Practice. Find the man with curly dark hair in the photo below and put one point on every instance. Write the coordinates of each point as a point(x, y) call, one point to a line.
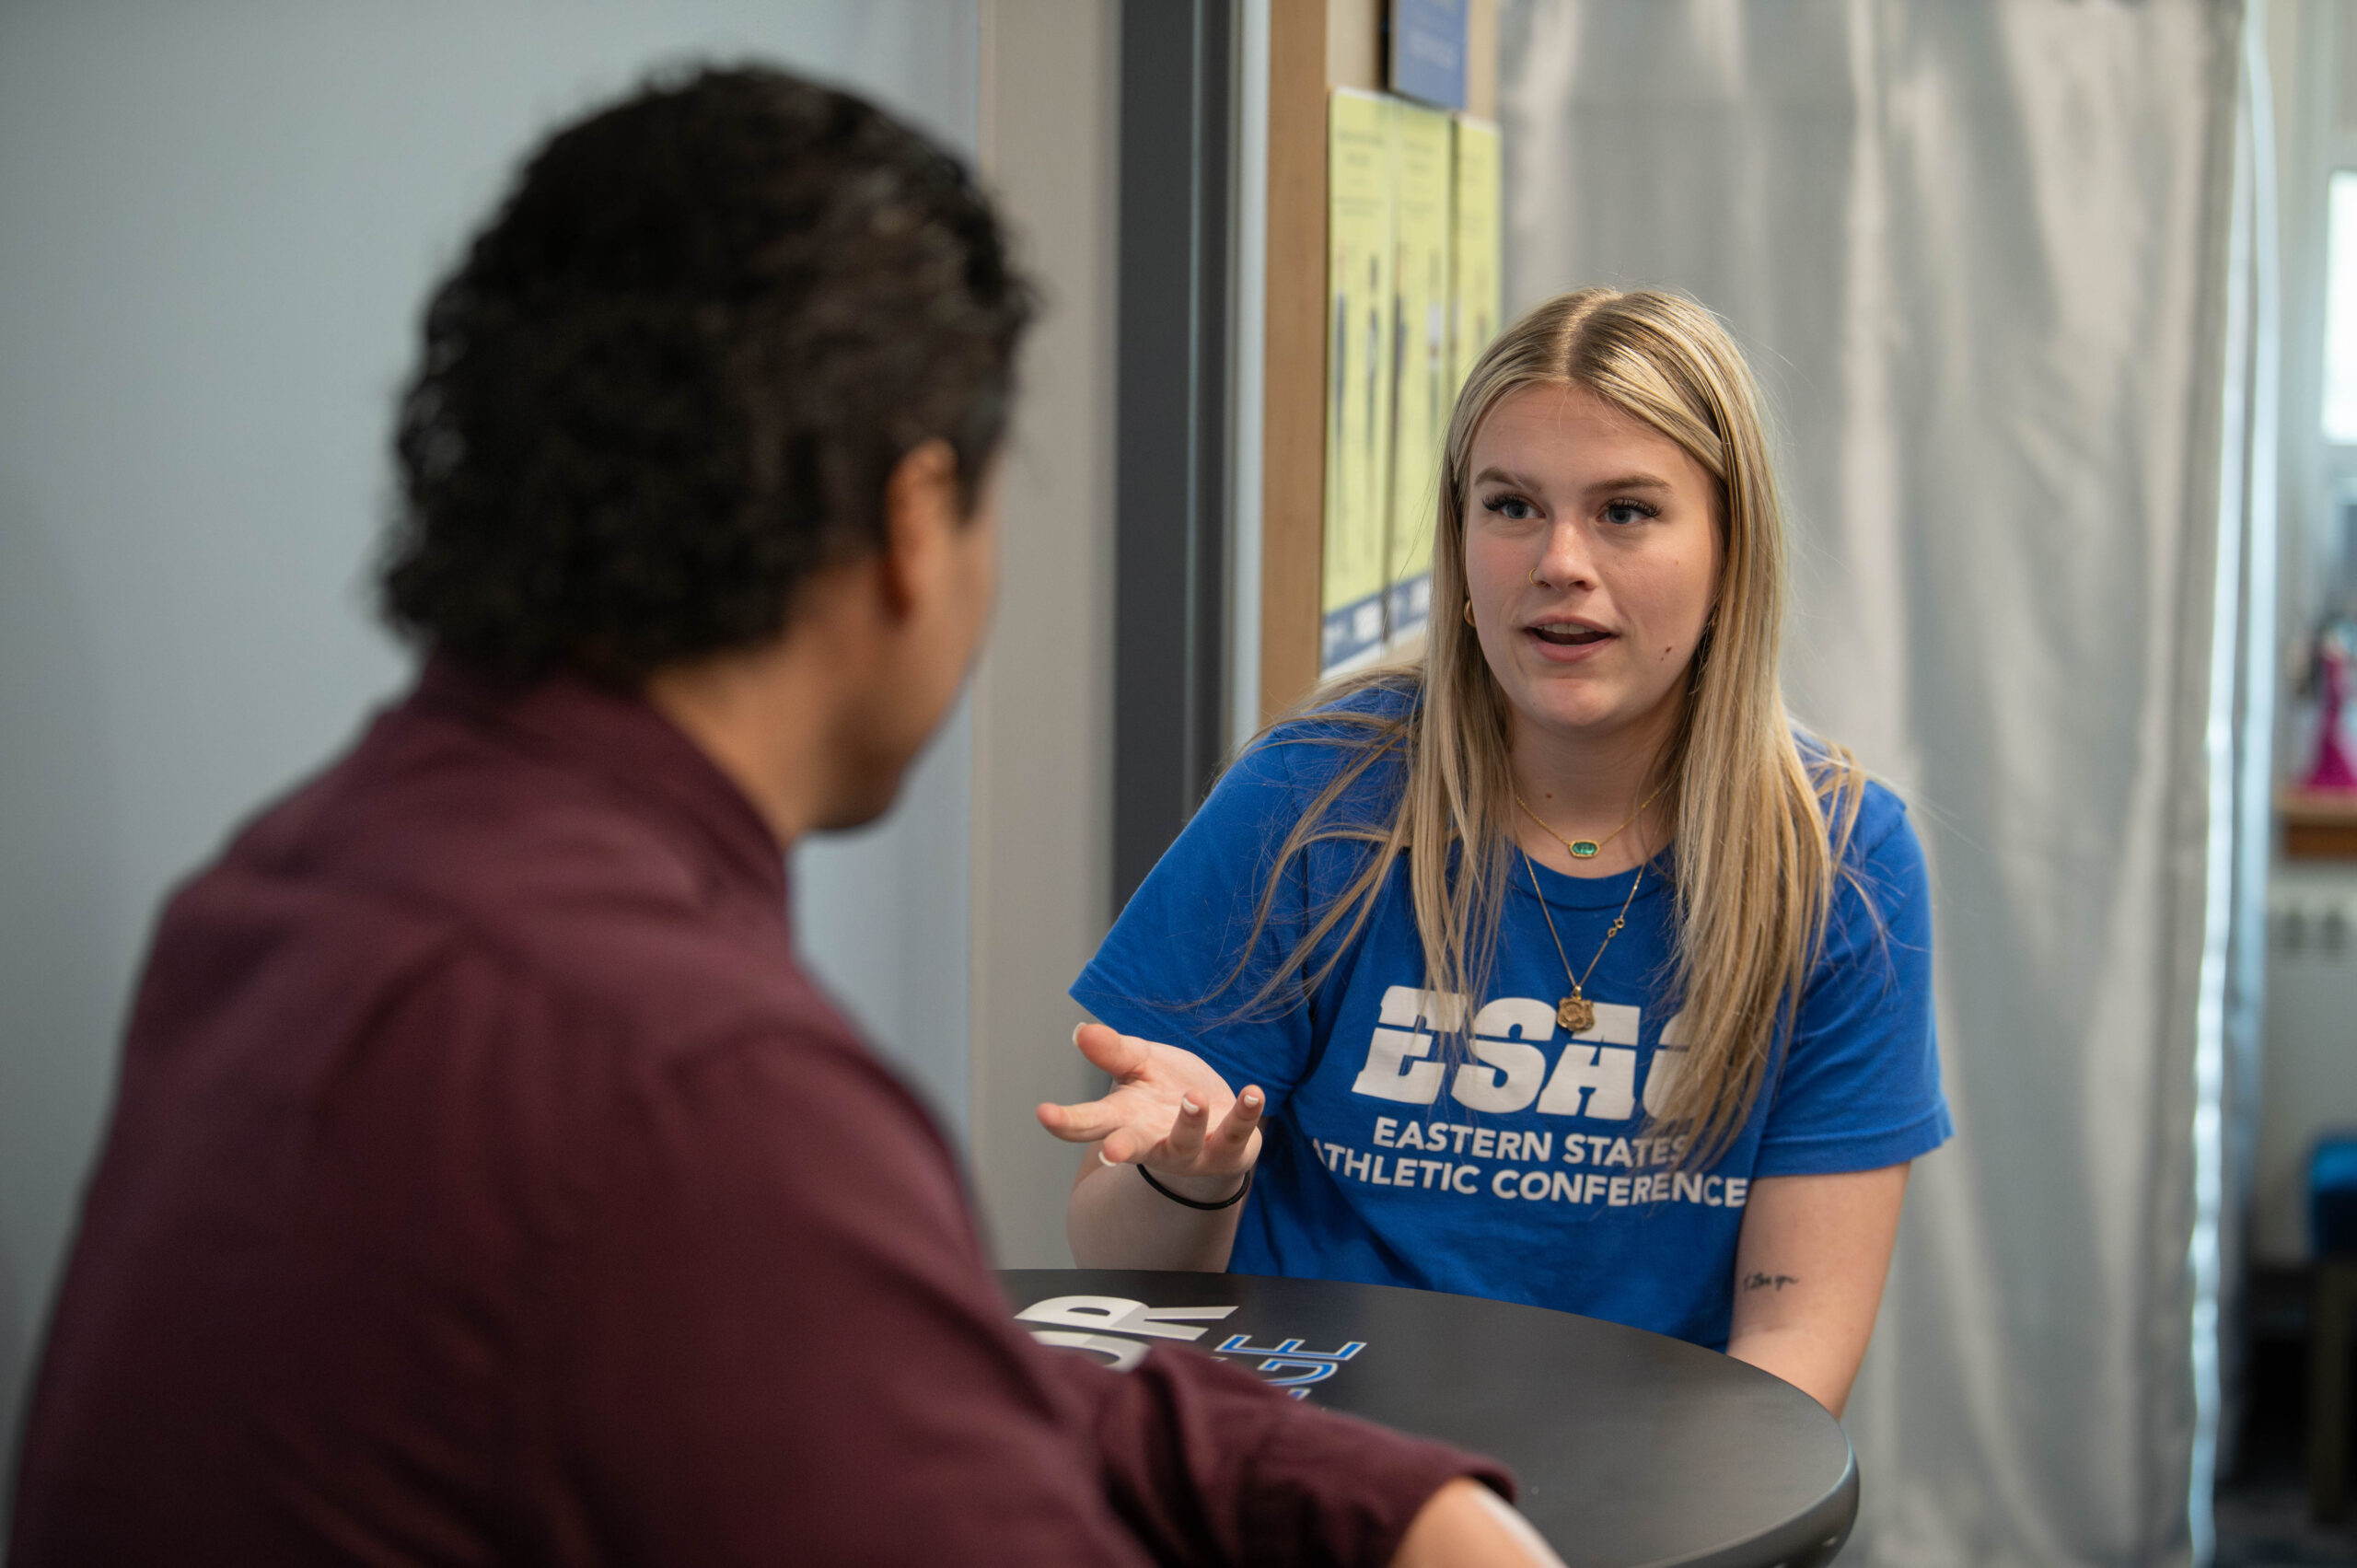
point(486, 1183)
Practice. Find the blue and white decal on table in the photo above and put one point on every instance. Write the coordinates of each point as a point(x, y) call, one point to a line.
point(1117, 1328)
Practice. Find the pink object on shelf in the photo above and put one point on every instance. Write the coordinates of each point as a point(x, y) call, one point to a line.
point(2333, 769)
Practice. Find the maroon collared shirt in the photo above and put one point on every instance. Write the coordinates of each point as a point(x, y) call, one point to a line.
point(488, 1184)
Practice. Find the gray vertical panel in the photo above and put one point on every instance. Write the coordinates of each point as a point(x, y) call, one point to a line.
point(1171, 441)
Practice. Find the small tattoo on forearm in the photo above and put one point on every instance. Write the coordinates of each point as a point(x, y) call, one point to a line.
point(1768, 1282)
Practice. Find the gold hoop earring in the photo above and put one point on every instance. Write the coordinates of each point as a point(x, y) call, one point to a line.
point(1468, 612)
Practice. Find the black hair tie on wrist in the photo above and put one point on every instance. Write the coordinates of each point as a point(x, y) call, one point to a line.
point(1227, 1203)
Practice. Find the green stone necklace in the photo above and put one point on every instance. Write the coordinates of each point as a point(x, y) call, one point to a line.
point(1586, 849)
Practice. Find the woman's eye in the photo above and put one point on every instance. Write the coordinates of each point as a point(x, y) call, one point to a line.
point(1624, 512)
point(1512, 507)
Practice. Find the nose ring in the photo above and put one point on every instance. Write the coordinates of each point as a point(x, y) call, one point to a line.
point(1534, 579)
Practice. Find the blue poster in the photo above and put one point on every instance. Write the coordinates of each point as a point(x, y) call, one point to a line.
point(1428, 51)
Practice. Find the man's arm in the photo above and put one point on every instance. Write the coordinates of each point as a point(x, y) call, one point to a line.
point(1467, 1526)
point(1808, 1275)
point(1212, 1466)
point(786, 1345)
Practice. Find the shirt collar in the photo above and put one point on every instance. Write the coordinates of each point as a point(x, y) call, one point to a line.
point(618, 735)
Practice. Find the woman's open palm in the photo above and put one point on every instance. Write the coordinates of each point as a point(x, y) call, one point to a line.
point(1167, 1109)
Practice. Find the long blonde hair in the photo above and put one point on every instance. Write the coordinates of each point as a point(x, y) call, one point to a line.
point(1760, 830)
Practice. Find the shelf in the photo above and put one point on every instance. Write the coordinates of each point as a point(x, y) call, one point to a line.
point(2318, 826)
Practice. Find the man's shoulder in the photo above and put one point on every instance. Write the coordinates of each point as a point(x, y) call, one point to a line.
point(437, 821)
point(531, 878)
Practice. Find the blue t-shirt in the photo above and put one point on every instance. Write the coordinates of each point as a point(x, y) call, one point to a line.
point(1526, 1174)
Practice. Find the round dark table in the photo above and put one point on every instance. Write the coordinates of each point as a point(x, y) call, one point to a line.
point(1633, 1451)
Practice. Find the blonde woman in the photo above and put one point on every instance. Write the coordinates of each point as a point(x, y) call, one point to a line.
point(1555, 967)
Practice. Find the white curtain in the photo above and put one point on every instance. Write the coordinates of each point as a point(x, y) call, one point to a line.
point(1997, 266)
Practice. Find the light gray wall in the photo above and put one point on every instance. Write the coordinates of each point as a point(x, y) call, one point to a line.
point(882, 917)
point(1043, 698)
point(217, 225)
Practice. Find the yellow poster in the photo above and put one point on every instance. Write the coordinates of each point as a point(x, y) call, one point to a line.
point(1473, 319)
point(1420, 369)
point(1362, 132)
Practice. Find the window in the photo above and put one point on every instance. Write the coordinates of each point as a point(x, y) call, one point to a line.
point(2340, 310)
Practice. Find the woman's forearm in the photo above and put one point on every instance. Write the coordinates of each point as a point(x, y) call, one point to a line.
point(1809, 1270)
point(1115, 1221)
point(1821, 1370)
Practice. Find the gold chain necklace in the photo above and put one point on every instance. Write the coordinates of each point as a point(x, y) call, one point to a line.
point(1587, 849)
point(1576, 1012)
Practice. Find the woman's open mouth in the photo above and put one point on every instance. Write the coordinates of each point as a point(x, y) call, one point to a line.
point(1567, 642)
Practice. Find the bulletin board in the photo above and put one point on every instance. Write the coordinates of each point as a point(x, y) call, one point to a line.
point(1382, 290)
point(1412, 240)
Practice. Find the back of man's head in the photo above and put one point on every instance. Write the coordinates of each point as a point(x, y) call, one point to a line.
point(669, 381)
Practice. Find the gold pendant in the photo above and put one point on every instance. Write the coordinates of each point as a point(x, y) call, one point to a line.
point(1585, 849)
point(1576, 1013)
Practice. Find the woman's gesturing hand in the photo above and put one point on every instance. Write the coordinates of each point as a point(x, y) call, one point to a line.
point(1167, 1109)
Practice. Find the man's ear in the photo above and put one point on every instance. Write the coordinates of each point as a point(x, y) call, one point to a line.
point(920, 515)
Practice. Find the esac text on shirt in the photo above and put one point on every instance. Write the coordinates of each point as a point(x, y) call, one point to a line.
point(1595, 1078)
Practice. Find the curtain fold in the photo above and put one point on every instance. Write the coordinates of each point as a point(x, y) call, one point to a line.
point(2000, 268)
point(2243, 746)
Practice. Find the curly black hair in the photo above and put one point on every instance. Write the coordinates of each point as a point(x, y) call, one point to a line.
point(672, 377)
